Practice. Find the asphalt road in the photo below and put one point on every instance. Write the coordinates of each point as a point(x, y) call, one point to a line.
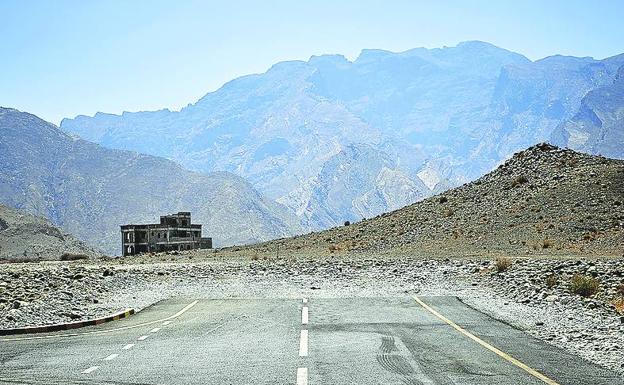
point(403, 341)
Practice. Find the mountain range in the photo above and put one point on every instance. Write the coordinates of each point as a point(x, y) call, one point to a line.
point(89, 190)
point(336, 140)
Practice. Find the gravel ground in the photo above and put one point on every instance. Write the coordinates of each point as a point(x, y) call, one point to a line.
point(54, 292)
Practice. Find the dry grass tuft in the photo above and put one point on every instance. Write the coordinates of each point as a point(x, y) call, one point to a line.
point(519, 180)
point(547, 243)
point(584, 285)
point(619, 305)
point(333, 248)
point(551, 281)
point(503, 264)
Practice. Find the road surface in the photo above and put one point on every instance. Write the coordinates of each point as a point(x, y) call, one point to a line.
point(402, 341)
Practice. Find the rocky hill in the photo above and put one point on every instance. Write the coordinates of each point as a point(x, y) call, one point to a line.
point(89, 190)
point(27, 237)
point(544, 200)
point(435, 118)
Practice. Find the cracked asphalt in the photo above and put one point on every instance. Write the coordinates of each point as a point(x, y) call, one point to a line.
point(402, 340)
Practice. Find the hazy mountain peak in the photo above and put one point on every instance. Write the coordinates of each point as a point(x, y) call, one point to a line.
point(329, 59)
point(369, 54)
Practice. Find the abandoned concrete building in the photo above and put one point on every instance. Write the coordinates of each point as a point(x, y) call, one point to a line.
point(174, 232)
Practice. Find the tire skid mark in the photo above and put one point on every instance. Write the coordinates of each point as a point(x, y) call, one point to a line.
point(390, 359)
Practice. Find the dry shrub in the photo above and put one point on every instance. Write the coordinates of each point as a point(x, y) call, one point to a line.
point(502, 264)
point(255, 257)
point(619, 301)
point(73, 257)
point(519, 180)
point(584, 285)
point(589, 236)
point(551, 281)
point(619, 305)
point(547, 243)
point(333, 248)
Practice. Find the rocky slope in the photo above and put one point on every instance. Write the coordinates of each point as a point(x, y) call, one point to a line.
point(544, 200)
point(89, 190)
point(27, 237)
point(439, 117)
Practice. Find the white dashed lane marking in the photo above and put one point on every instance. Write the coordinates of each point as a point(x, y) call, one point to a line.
point(302, 376)
point(304, 315)
point(303, 344)
point(165, 322)
point(305, 300)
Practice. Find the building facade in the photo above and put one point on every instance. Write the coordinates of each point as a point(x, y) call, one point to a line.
point(174, 232)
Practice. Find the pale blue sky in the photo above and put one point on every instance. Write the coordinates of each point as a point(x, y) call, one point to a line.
point(63, 58)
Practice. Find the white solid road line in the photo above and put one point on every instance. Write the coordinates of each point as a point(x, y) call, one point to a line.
point(166, 323)
point(111, 357)
point(154, 330)
point(303, 344)
point(302, 376)
point(304, 315)
point(128, 347)
point(142, 338)
point(91, 369)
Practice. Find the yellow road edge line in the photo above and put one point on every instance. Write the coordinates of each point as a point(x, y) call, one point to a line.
point(95, 332)
point(489, 347)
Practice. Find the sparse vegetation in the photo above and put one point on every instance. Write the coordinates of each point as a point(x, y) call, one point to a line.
point(551, 281)
point(333, 248)
point(347, 223)
point(73, 257)
point(547, 243)
point(503, 264)
point(519, 180)
point(443, 200)
point(618, 302)
point(584, 285)
point(619, 305)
